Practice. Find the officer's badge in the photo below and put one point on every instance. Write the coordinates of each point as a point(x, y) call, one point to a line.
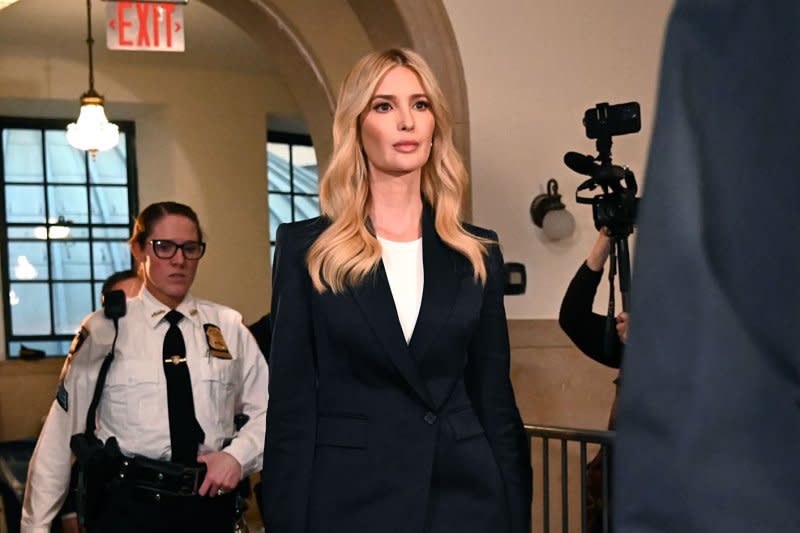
point(216, 342)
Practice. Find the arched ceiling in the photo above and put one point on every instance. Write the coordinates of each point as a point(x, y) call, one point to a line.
point(313, 55)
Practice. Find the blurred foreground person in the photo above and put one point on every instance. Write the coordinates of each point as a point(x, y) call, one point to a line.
point(708, 418)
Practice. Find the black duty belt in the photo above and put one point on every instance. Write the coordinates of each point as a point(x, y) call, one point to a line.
point(161, 477)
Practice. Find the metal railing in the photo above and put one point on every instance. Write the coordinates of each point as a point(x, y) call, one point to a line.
point(541, 436)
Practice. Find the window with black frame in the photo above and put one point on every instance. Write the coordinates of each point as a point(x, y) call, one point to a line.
point(66, 220)
point(292, 179)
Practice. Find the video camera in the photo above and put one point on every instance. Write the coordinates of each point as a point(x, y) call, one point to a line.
point(615, 208)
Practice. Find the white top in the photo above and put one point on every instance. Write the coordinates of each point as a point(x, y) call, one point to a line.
point(228, 374)
point(403, 264)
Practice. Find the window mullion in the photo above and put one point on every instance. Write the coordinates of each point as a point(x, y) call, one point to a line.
point(90, 228)
point(291, 181)
point(48, 242)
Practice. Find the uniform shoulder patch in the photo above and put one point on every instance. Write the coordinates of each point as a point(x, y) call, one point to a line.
point(62, 396)
point(78, 341)
point(216, 342)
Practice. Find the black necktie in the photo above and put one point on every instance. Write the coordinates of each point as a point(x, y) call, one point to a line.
point(185, 433)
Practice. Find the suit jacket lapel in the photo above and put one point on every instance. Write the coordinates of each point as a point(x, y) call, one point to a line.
point(374, 297)
point(442, 280)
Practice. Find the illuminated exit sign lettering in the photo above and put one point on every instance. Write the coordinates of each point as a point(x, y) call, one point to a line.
point(153, 27)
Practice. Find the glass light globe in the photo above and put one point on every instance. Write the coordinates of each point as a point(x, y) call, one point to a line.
point(92, 132)
point(558, 224)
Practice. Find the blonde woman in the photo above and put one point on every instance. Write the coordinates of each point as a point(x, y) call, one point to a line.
point(391, 407)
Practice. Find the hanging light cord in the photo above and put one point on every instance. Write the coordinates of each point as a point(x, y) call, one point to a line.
point(90, 44)
point(92, 132)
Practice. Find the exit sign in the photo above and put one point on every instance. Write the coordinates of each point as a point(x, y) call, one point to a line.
point(145, 26)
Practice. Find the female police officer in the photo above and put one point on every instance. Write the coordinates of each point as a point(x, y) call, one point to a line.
point(182, 368)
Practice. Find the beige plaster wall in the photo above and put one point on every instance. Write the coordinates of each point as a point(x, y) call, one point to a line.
point(27, 389)
point(532, 68)
point(556, 385)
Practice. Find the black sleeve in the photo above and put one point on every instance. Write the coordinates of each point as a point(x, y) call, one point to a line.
point(489, 386)
point(292, 412)
point(584, 327)
point(262, 331)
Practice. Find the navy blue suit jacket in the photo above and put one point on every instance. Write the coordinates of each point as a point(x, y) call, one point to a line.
point(365, 431)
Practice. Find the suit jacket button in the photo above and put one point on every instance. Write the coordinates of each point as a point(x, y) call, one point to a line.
point(430, 418)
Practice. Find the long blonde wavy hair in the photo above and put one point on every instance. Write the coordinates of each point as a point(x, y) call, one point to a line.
point(347, 251)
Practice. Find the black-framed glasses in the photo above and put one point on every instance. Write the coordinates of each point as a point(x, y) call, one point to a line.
point(166, 249)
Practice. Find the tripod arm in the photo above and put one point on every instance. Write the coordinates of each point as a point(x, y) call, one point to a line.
point(619, 261)
point(610, 334)
point(624, 261)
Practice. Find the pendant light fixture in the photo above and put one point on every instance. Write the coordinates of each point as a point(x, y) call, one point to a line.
point(92, 132)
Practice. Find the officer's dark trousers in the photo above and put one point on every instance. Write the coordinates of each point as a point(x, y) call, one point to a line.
point(130, 510)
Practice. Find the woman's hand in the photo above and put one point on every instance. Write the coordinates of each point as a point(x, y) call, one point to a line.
point(222, 475)
point(622, 326)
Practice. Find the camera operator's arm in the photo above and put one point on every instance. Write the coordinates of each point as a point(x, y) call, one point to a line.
point(599, 253)
point(584, 327)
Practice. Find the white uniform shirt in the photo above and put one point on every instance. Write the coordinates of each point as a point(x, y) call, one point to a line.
point(133, 406)
point(403, 264)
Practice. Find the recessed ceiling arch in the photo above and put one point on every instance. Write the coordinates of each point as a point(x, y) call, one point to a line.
point(312, 55)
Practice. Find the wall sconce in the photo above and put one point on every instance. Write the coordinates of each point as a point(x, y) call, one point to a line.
point(92, 132)
point(551, 215)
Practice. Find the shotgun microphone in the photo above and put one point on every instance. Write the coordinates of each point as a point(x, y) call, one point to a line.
point(582, 164)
